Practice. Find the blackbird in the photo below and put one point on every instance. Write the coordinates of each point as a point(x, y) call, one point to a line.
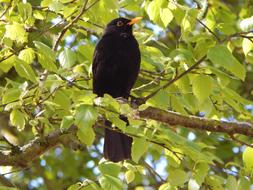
point(116, 64)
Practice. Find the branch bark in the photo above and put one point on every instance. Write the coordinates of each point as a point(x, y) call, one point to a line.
point(35, 148)
point(39, 146)
point(199, 123)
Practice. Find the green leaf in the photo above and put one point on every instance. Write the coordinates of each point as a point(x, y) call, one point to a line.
point(8, 188)
point(25, 10)
point(25, 70)
point(67, 58)
point(247, 158)
point(85, 118)
point(45, 3)
point(11, 95)
point(62, 99)
point(184, 84)
point(129, 176)
point(85, 185)
point(160, 100)
point(166, 16)
point(109, 168)
point(44, 49)
point(110, 103)
point(39, 15)
point(110, 183)
point(66, 122)
point(17, 119)
point(115, 119)
point(139, 147)
point(165, 186)
point(7, 64)
point(177, 177)
point(46, 56)
point(153, 10)
point(214, 182)
point(86, 135)
point(231, 183)
point(56, 6)
point(201, 171)
point(47, 63)
point(244, 184)
point(16, 32)
point(182, 55)
point(188, 22)
point(75, 186)
point(202, 87)
point(27, 55)
point(247, 46)
point(223, 57)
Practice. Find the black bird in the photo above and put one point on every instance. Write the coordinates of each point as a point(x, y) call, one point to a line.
point(116, 64)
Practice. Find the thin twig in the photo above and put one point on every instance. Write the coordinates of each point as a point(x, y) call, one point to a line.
point(6, 182)
point(209, 30)
point(175, 79)
point(239, 141)
point(65, 29)
point(16, 171)
point(8, 7)
point(152, 171)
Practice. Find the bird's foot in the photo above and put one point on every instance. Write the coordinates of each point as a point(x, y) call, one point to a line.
point(137, 101)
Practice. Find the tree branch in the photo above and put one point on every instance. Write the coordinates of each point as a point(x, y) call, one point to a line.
point(199, 123)
point(35, 148)
point(39, 146)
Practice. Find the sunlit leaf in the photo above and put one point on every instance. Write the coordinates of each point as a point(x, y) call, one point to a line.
point(166, 16)
point(67, 58)
point(139, 147)
point(25, 70)
point(202, 87)
point(110, 183)
point(129, 176)
point(221, 56)
point(27, 55)
point(85, 117)
point(17, 119)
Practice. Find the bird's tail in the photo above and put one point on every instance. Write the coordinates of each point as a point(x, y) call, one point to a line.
point(117, 146)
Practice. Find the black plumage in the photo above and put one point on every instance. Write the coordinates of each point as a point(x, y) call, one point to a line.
point(116, 64)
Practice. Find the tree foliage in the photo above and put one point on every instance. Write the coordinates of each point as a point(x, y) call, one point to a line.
point(197, 60)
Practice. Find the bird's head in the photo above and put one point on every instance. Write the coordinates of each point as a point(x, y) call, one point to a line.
point(121, 25)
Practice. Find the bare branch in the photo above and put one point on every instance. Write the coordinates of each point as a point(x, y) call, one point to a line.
point(209, 30)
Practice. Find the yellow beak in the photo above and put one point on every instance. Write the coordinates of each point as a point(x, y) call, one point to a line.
point(135, 20)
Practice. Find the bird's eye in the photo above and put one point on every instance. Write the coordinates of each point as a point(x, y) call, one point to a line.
point(120, 23)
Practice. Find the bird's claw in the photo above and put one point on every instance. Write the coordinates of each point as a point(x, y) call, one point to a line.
point(137, 101)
